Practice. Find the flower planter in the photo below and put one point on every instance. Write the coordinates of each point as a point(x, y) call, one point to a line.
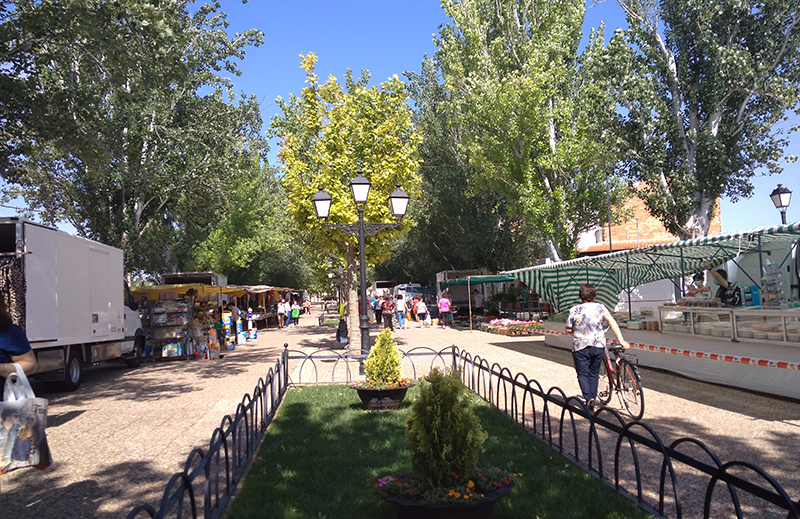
point(483, 508)
point(382, 399)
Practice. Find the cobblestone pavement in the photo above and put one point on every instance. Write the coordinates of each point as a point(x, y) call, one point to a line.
point(121, 436)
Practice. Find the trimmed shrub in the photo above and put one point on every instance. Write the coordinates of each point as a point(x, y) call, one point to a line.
point(443, 433)
point(383, 363)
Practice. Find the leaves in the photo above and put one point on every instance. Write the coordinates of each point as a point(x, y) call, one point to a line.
point(701, 87)
point(330, 133)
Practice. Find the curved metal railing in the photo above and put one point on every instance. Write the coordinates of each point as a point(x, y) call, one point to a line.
point(664, 480)
point(209, 477)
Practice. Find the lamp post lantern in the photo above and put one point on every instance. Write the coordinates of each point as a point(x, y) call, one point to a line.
point(781, 197)
point(360, 188)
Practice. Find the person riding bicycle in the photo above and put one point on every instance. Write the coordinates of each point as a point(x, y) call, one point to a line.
point(586, 325)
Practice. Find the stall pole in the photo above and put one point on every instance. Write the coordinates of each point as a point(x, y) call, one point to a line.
point(469, 299)
point(683, 274)
point(628, 283)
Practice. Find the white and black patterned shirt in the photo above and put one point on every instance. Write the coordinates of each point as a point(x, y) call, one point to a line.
point(587, 321)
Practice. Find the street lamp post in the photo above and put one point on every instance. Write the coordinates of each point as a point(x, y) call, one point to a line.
point(359, 188)
point(781, 197)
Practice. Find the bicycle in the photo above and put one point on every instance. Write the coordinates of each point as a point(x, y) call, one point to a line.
point(624, 380)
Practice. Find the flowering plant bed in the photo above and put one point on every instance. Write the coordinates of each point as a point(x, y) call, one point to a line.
point(466, 489)
point(375, 384)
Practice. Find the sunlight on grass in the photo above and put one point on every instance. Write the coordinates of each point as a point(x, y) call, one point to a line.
point(322, 447)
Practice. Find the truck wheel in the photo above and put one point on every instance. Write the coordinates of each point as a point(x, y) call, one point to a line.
point(135, 360)
point(72, 373)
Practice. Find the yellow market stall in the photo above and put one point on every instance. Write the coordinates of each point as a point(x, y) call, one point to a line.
point(184, 321)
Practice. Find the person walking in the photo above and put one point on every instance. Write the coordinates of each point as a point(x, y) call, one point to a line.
point(281, 313)
point(377, 309)
point(388, 313)
point(586, 325)
point(422, 312)
point(444, 311)
point(400, 311)
point(295, 308)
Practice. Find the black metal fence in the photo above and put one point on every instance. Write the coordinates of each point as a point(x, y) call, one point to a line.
point(205, 486)
point(680, 480)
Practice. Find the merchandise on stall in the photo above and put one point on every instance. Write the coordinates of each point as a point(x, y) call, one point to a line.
point(169, 331)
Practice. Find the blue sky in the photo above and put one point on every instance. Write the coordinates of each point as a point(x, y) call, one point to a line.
point(390, 37)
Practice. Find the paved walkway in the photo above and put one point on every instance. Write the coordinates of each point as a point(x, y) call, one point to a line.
point(121, 436)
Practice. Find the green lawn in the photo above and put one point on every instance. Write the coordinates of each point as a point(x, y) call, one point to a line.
point(322, 447)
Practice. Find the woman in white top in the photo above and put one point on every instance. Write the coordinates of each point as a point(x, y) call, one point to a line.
point(422, 312)
point(586, 323)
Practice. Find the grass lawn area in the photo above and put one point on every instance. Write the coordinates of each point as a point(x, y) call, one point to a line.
point(322, 447)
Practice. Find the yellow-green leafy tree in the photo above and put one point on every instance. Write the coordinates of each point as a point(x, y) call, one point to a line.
point(327, 135)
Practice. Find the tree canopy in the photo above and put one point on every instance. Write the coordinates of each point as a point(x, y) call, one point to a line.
point(700, 87)
point(116, 120)
point(330, 133)
point(533, 125)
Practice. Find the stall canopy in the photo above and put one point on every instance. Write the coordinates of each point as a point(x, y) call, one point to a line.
point(201, 289)
point(475, 280)
point(260, 289)
point(616, 272)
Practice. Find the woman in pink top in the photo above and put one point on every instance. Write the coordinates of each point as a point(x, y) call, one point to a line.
point(444, 311)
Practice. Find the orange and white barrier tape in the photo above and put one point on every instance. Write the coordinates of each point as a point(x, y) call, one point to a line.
point(701, 354)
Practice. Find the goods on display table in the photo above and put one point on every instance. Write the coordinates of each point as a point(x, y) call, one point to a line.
point(169, 328)
point(511, 327)
point(183, 321)
point(772, 286)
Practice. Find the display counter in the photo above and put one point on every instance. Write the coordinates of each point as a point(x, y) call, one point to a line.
point(713, 358)
point(748, 324)
point(696, 320)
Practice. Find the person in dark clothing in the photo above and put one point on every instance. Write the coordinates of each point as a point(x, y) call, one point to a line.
point(14, 348)
point(387, 308)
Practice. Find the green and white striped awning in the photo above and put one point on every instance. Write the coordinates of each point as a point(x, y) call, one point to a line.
point(616, 272)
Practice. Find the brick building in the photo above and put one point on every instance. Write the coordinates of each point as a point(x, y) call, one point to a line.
point(641, 230)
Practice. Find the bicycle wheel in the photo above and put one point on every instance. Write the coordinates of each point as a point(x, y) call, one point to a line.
point(604, 383)
point(632, 394)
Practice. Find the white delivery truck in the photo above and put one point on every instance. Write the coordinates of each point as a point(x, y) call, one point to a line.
point(69, 295)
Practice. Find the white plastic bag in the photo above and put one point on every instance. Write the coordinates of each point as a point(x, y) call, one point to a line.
point(17, 386)
point(23, 416)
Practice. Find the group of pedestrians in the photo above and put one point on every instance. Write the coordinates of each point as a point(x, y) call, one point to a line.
point(388, 308)
point(289, 313)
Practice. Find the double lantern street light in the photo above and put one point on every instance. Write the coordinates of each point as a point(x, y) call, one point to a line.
point(360, 187)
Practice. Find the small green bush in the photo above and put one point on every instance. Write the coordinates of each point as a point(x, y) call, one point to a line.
point(443, 433)
point(382, 366)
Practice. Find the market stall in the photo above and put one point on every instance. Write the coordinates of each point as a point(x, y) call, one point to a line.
point(182, 321)
point(694, 332)
point(471, 281)
point(261, 303)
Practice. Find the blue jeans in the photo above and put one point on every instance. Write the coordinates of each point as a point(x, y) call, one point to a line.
point(401, 318)
point(587, 365)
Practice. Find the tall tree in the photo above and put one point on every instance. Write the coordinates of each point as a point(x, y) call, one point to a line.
point(701, 86)
point(118, 122)
point(459, 223)
point(532, 128)
point(254, 242)
point(328, 134)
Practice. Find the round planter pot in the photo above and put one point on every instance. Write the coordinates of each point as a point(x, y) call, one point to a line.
point(382, 399)
point(483, 508)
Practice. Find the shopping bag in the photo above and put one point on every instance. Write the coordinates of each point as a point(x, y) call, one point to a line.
point(23, 419)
